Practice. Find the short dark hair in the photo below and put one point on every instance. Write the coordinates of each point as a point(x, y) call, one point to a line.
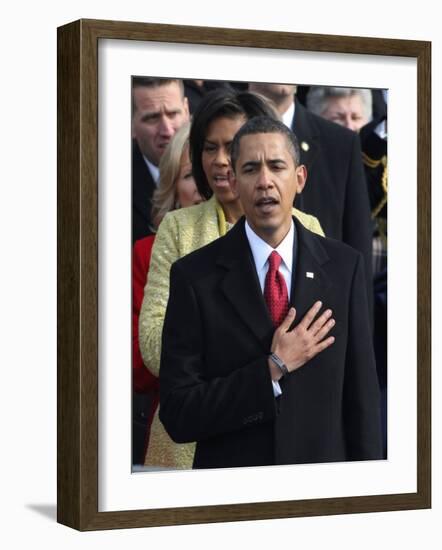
point(219, 103)
point(265, 125)
point(151, 82)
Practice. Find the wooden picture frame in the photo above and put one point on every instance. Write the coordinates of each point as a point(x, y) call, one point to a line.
point(77, 386)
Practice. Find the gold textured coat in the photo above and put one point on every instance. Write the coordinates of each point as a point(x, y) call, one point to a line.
point(181, 232)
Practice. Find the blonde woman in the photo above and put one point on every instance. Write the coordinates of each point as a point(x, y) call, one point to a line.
point(176, 188)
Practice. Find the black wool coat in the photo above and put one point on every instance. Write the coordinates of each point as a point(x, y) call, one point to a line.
point(215, 385)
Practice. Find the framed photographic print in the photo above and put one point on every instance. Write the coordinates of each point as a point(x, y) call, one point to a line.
point(98, 488)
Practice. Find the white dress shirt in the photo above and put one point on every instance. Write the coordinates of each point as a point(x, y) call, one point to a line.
point(261, 252)
point(154, 170)
point(289, 116)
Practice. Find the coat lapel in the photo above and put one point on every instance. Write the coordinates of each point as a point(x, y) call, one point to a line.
point(309, 279)
point(241, 286)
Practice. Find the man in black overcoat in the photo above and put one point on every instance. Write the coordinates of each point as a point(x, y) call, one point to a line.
point(250, 388)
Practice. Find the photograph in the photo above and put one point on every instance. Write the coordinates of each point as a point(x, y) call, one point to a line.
point(341, 144)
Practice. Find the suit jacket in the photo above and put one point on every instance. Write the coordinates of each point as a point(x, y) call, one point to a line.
point(215, 385)
point(335, 190)
point(143, 187)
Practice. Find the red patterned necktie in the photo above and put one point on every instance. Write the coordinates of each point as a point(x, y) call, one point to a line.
point(275, 290)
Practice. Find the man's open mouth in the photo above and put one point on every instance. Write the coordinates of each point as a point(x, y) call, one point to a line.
point(266, 204)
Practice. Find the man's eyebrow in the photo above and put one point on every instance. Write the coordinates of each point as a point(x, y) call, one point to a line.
point(255, 163)
point(277, 161)
point(155, 114)
point(251, 164)
point(150, 115)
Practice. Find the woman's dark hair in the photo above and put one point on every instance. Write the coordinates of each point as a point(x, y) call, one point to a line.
point(216, 104)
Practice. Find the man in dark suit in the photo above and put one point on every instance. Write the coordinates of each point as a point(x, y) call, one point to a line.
point(336, 192)
point(241, 376)
point(159, 109)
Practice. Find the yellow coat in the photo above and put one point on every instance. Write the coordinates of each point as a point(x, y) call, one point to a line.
point(181, 232)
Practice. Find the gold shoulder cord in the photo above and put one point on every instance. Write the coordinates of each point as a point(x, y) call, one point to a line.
point(372, 163)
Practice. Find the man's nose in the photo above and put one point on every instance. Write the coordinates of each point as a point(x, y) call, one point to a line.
point(264, 178)
point(166, 127)
point(349, 123)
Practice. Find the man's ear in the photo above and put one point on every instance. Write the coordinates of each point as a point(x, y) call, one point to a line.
point(301, 177)
point(186, 108)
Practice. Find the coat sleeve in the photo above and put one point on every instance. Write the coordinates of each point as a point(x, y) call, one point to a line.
point(194, 406)
point(361, 389)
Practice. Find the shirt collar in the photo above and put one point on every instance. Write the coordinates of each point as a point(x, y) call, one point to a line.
point(154, 170)
point(261, 250)
point(289, 115)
